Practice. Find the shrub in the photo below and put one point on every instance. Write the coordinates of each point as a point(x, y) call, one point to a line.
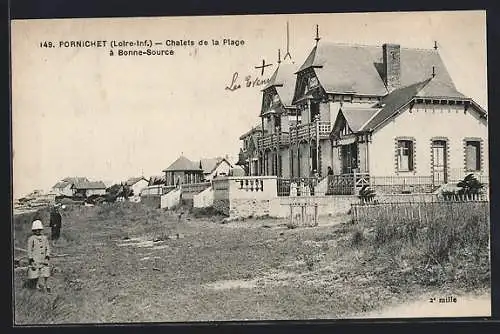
point(470, 185)
point(366, 194)
point(357, 238)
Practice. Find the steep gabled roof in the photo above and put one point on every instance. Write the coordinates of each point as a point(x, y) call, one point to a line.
point(283, 79)
point(133, 180)
point(209, 165)
point(183, 164)
point(61, 185)
point(70, 181)
point(256, 128)
point(90, 185)
point(357, 117)
point(394, 101)
point(357, 69)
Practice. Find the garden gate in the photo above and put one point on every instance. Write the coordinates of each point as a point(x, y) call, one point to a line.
point(303, 211)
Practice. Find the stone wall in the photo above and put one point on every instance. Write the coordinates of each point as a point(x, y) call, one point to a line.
point(171, 199)
point(204, 199)
point(153, 201)
point(327, 205)
point(250, 208)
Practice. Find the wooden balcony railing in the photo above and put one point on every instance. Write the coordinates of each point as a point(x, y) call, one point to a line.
point(310, 131)
point(274, 140)
point(347, 184)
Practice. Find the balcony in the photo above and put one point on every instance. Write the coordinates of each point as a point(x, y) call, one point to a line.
point(310, 131)
point(274, 140)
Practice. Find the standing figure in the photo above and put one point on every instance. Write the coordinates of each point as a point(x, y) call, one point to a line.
point(330, 170)
point(38, 257)
point(55, 224)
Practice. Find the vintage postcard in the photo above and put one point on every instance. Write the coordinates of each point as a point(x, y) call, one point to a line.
point(270, 167)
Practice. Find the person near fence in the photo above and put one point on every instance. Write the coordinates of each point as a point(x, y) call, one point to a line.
point(293, 189)
point(330, 170)
point(38, 257)
point(55, 224)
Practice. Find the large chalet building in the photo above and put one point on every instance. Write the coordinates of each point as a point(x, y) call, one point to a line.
point(388, 114)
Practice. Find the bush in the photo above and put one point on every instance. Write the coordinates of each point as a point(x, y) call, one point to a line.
point(204, 212)
point(357, 237)
point(366, 194)
point(470, 185)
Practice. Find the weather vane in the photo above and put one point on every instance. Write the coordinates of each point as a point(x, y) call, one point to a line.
point(287, 43)
point(317, 34)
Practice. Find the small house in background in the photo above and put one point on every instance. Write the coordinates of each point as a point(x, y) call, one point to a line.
point(249, 156)
point(65, 186)
point(89, 188)
point(137, 184)
point(63, 189)
point(215, 167)
point(237, 171)
point(183, 171)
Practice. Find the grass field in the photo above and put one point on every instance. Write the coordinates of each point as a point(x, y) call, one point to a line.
point(128, 263)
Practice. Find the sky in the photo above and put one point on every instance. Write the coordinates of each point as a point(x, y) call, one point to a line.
point(82, 112)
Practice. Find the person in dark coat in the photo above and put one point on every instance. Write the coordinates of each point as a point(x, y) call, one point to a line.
point(55, 224)
point(330, 171)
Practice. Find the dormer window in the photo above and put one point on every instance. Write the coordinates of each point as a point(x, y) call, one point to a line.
point(276, 100)
point(313, 82)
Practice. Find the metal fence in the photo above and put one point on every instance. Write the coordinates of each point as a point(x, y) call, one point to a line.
point(424, 212)
point(194, 187)
point(156, 190)
point(402, 184)
point(347, 184)
point(297, 186)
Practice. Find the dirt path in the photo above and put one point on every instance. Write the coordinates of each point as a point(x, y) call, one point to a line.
point(465, 306)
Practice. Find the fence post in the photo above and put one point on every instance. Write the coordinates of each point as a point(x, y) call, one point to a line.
point(315, 214)
point(354, 183)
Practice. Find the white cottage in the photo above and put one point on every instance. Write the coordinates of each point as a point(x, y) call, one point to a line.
point(137, 184)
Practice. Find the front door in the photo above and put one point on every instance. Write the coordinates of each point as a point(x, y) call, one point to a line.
point(439, 163)
point(349, 154)
point(314, 158)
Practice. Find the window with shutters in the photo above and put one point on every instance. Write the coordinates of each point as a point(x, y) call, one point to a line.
point(473, 155)
point(405, 155)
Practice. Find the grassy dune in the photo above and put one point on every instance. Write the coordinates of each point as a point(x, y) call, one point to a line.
point(127, 263)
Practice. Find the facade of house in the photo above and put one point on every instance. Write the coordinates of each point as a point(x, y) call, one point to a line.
point(183, 171)
point(248, 157)
point(279, 117)
point(65, 186)
point(89, 188)
point(63, 189)
point(375, 115)
point(215, 167)
point(137, 184)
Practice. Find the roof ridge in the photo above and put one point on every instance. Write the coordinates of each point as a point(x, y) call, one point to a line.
point(377, 46)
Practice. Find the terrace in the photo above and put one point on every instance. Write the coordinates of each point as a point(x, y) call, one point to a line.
point(351, 183)
point(316, 129)
point(274, 140)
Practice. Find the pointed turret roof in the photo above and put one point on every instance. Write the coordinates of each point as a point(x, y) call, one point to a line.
point(183, 164)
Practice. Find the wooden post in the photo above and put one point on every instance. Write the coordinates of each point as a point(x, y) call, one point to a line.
point(303, 213)
point(315, 214)
point(354, 182)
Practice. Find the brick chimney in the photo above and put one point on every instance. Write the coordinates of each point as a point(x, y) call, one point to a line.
point(392, 66)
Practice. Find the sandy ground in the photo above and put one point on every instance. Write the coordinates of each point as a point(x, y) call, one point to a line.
point(466, 306)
